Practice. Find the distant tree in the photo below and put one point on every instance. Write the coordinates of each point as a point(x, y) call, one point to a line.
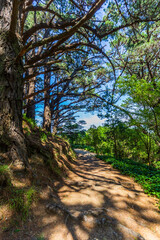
point(73, 130)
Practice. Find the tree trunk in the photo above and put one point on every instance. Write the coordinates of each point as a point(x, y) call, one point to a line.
point(55, 126)
point(30, 103)
point(56, 115)
point(12, 139)
point(47, 107)
point(5, 14)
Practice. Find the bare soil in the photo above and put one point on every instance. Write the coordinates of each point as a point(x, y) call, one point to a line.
point(95, 202)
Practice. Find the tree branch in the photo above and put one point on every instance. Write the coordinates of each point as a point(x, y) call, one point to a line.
point(14, 16)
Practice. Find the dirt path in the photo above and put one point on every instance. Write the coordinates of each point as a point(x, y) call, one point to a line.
point(94, 185)
point(96, 202)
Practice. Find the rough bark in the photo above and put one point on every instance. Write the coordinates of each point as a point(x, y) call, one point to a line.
point(30, 102)
point(56, 117)
point(47, 107)
point(5, 14)
point(11, 90)
point(55, 125)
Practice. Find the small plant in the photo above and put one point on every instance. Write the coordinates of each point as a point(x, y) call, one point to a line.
point(21, 200)
point(17, 230)
point(16, 201)
point(43, 137)
point(57, 171)
point(41, 237)
point(4, 169)
point(30, 196)
point(28, 132)
point(5, 178)
point(30, 121)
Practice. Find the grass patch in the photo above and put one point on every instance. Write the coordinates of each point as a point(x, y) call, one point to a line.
point(148, 177)
point(21, 200)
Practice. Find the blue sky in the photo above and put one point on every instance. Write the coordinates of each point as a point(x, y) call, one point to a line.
point(90, 119)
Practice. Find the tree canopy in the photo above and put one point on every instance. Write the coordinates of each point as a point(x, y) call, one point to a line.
point(60, 57)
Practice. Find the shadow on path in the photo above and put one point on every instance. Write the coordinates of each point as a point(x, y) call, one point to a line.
point(125, 212)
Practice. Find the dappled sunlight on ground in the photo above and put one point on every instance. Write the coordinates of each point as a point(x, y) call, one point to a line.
point(91, 185)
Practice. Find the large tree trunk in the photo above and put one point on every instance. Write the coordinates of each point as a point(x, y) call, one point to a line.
point(12, 139)
point(47, 107)
point(11, 91)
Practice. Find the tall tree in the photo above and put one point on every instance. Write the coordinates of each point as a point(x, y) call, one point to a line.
point(71, 29)
point(14, 44)
point(11, 83)
point(47, 104)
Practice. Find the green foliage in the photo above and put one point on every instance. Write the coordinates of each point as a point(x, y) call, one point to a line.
point(57, 170)
point(4, 169)
point(120, 141)
point(27, 130)
point(148, 177)
point(21, 200)
point(5, 178)
point(17, 230)
point(30, 121)
point(40, 237)
point(43, 136)
point(73, 130)
point(140, 83)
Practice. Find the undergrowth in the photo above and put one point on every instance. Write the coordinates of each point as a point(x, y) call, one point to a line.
point(21, 200)
point(50, 149)
point(32, 122)
point(43, 136)
point(5, 178)
point(147, 176)
point(4, 168)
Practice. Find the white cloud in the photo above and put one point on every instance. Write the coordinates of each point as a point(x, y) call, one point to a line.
point(90, 120)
